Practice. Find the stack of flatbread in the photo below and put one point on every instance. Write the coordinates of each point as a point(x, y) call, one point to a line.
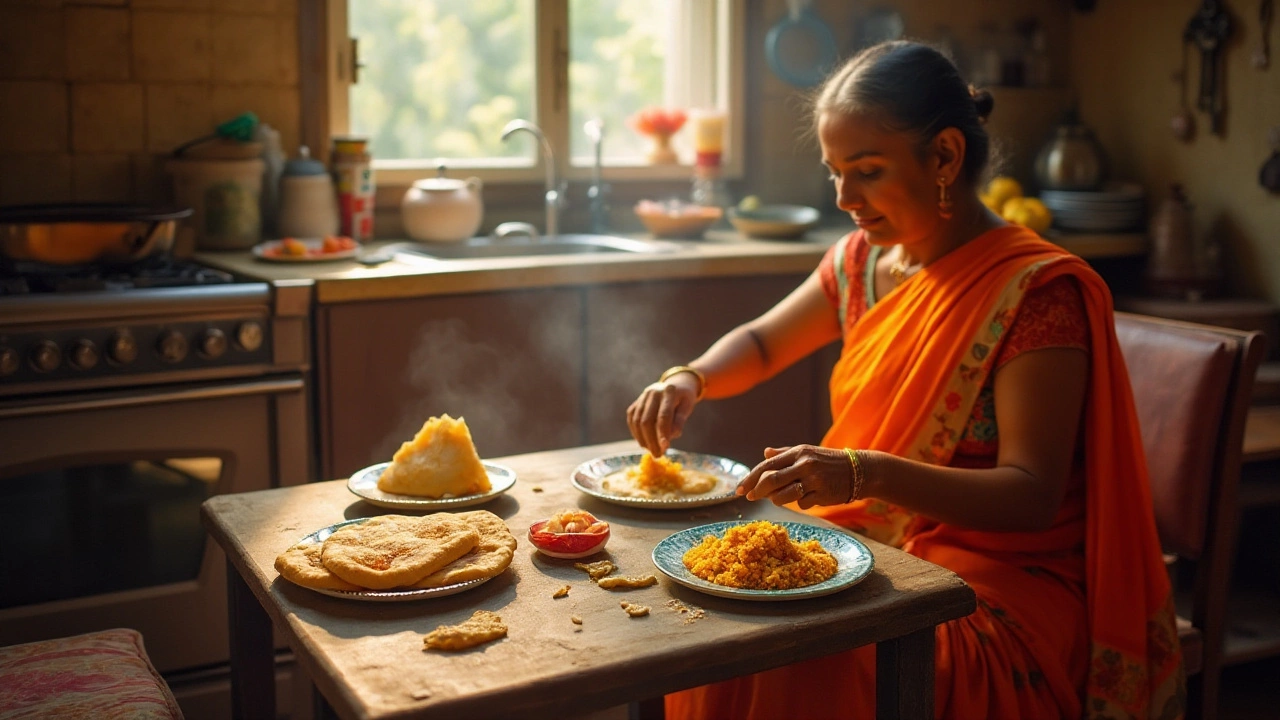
point(403, 552)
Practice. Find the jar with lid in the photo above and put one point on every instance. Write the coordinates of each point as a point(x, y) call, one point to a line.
point(308, 204)
point(442, 209)
point(1072, 159)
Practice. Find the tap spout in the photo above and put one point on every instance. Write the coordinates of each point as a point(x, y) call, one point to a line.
point(553, 197)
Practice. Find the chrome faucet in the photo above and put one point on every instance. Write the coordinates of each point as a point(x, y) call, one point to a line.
point(554, 198)
point(598, 193)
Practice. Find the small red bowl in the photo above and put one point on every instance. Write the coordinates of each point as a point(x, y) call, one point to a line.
point(569, 546)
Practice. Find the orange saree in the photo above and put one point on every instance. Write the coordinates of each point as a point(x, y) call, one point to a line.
point(1074, 621)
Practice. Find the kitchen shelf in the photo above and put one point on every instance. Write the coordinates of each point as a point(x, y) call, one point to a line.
point(1100, 245)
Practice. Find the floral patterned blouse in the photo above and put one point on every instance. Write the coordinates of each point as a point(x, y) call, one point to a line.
point(1052, 315)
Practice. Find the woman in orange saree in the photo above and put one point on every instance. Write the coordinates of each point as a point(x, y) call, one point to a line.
point(982, 419)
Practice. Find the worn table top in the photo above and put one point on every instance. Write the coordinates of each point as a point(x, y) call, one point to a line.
point(368, 658)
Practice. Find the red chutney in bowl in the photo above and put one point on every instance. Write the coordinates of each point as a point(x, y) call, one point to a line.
point(569, 534)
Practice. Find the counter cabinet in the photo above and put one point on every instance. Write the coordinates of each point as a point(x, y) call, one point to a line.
point(548, 368)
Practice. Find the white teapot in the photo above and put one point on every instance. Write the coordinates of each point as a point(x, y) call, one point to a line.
point(442, 209)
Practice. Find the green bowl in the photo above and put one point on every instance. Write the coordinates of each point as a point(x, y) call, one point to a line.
point(779, 222)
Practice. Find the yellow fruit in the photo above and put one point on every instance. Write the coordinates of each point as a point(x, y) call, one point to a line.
point(749, 203)
point(1000, 190)
point(1028, 212)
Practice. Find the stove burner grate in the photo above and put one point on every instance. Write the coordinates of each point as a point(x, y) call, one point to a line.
point(157, 272)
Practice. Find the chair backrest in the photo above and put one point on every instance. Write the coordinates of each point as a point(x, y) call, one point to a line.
point(1191, 384)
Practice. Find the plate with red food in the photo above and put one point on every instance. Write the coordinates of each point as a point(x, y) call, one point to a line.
point(569, 534)
point(333, 247)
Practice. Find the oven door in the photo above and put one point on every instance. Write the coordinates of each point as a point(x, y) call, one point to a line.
point(100, 499)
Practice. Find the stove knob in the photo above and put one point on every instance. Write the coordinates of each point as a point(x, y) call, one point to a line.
point(84, 354)
point(249, 335)
point(9, 361)
point(172, 346)
point(123, 348)
point(213, 342)
point(46, 356)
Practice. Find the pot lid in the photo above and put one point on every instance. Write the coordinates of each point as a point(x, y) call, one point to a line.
point(89, 212)
point(440, 182)
point(304, 164)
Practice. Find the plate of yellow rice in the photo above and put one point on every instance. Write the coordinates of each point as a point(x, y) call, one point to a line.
point(764, 560)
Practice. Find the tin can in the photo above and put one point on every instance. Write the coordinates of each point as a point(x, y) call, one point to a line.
point(353, 179)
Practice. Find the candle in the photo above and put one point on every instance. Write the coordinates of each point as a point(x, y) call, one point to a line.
point(708, 136)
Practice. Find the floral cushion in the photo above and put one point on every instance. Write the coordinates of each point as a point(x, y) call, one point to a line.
point(103, 674)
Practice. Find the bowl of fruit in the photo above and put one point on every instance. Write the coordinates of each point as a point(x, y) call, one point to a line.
point(676, 219)
point(290, 249)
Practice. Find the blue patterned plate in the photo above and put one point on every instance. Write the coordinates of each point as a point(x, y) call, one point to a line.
point(589, 478)
point(853, 561)
point(365, 484)
point(323, 534)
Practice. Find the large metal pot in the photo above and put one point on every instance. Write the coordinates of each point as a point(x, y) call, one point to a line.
point(86, 233)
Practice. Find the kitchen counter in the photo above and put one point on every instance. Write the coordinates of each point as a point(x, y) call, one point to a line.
point(723, 253)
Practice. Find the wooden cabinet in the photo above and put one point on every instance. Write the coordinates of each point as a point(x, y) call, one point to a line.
point(511, 363)
point(634, 331)
point(544, 369)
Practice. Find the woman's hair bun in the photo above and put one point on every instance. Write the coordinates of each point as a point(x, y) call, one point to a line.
point(983, 102)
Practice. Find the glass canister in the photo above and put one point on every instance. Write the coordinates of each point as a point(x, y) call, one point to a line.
point(353, 177)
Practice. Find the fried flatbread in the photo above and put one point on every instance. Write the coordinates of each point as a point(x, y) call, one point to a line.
point(393, 551)
point(301, 564)
point(481, 627)
point(491, 555)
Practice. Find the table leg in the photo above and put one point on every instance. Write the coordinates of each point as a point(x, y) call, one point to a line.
point(253, 677)
point(904, 677)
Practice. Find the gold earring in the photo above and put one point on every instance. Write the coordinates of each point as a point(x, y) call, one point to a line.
point(945, 207)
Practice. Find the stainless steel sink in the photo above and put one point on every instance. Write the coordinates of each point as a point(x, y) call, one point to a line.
point(523, 246)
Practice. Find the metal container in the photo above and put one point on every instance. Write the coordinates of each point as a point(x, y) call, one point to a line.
point(1072, 159)
point(86, 233)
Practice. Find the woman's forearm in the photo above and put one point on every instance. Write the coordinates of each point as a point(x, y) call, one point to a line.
point(1003, 498)
point(733, 365)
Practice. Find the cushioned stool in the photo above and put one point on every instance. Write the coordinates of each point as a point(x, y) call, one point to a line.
point(103, 674)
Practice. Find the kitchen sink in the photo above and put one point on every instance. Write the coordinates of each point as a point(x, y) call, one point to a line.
point(523, 246)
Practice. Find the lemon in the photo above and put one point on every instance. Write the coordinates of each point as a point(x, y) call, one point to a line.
point(1000, 190)
point(1029, 212)
point(749, 203)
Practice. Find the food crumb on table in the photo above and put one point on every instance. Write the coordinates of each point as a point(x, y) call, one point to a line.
point(560, 592)
point(627, 582)
point(634, 610)
point(692, 613)
point(420, 694)
point(536, 488)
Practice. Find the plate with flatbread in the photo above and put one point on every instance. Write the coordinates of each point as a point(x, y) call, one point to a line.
point(677, 481)
point(365, 484)
point(394, 558)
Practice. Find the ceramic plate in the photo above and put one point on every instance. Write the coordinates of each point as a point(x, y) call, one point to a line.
point(854, 561)
point(323, 534)
point(365, 484)
point(590, 475)
point(262, 252)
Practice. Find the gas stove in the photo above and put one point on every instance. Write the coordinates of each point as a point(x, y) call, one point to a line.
point(160, 271)
point(161, 320)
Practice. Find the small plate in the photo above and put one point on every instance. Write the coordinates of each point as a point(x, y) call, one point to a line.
point(365, 484)
point(778, 222)
point(589, 476)
point(853, 560)
point(323, 534)
point(314, 246)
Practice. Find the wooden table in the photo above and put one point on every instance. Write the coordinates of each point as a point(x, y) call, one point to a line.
point(368, 661)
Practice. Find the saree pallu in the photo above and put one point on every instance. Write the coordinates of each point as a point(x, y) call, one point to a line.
point(1060, 630)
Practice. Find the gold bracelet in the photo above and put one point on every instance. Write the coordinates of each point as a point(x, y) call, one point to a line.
point(702, 379)
point(858, 475)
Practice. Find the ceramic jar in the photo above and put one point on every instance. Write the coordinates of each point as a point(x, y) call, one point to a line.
point(308, 205)
point(442, 209)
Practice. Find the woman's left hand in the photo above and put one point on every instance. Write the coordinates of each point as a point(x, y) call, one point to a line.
point(804, 474)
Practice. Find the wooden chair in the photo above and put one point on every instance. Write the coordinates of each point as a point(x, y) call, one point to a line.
point(1192, 386)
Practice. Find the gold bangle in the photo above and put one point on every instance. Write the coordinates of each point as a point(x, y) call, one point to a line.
point(857, 476)
point(702, 379)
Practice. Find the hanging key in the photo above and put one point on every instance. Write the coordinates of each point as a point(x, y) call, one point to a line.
point(1209, 29)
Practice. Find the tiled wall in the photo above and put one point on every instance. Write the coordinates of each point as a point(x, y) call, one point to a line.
point(95, 93)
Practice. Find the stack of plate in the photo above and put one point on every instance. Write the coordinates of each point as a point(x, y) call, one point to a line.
point(1115, 208)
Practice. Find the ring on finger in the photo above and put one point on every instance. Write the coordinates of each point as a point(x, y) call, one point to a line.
point(800, 487)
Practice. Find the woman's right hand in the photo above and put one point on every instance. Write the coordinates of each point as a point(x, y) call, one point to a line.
point(657, 417)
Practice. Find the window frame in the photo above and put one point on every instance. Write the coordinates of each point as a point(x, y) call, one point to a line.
point(551, 112)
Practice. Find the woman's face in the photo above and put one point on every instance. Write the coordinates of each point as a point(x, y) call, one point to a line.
point(880, 179)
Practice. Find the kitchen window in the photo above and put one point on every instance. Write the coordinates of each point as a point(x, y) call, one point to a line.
point(434, 81)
